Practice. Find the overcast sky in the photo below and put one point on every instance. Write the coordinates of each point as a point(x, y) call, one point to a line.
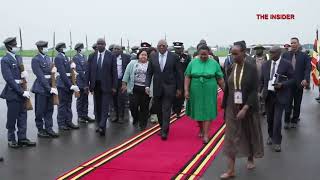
point(219, 22)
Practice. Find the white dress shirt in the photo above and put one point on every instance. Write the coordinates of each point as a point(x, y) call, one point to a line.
point(119, 66)
point(102, 57)
point(164, 60)
point(275, 68)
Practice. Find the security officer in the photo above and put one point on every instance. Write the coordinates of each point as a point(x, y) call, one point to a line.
point(184, 60)
point(65, 89)
point(15, 96)
point(42, 67)
point(145, 45)
point(134, 51)
point(81, 67)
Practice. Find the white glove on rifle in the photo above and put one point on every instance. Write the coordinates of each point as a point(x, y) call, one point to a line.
point(24, 74)
point(26, 94)
point(73, 65)
point(74, 88)
point(54, 91)
point(54, 70)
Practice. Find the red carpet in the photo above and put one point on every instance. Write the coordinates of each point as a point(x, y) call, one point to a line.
point(146, 156)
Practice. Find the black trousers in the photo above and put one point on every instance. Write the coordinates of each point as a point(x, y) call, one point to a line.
point(119, 100)
point(178, 104)
point(43, 111)
point(82, 103)
point(139, 105)
point(101, 105)
point(275, 111)
point(294, 104)
point(163, 106)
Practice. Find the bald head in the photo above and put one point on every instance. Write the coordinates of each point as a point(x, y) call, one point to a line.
point(101, 45)
point(275, 53)
point(162, 46)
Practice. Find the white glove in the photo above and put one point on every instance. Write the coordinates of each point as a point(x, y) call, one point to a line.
point(24, 74)
point(54, 91)
point(74, 88)
point(26, 94)
point(54, 70)
point(73, 65)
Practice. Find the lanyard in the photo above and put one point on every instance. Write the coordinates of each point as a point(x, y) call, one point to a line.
point(235, 77)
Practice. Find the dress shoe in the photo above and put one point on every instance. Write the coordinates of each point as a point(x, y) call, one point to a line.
point(82, 120)
point(294, 125)
point(64, 128)
point(43, 134)
point(164, 136)
point(13, 144)
point(178, 115)
point(73, 126)
point(287, 126)
point(1, 159)
point(52, 134)
point(277, 148)
point(269, 141)
point(90, 120)
point(318, 98)
point(102, 132)
point(97, 130)
point(26, 142)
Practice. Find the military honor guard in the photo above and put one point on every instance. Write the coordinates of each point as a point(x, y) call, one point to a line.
point(65, 88)
point(184, 60)
point(42, 67)
point(15, 95)
point(81, 68)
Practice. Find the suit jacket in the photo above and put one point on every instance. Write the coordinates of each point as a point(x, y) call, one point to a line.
point(41, 67)
point(125, 61)
point(169, 80)
point(81, 68)
point(11, 72)
point(285, 69)
point(62, 64)
point(249, 85)
point(302, 67)
point(109, 69)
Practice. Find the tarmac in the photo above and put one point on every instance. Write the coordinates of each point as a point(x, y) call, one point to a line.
point(52, 157)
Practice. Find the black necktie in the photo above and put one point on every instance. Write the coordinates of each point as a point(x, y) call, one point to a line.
point(99, 61)
point(273, 69)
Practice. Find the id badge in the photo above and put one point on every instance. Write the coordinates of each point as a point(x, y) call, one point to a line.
point(238, 97)
point(270, 84)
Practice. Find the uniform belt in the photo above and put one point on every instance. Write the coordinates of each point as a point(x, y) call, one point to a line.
point(18, 81)
point(47, 76)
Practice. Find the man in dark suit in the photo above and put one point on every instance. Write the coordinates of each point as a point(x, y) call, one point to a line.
point(184, 60)
point(119, 98)
point(167, 83)
point(302, 67)
point(102, 80)
point(276, 80)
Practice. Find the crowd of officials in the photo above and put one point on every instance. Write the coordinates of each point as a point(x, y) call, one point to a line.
point(156, 82)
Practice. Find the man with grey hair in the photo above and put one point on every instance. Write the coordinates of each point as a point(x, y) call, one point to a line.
point(167, 83)
point(276, 80)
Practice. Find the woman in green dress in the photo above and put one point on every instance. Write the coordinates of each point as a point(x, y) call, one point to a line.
point(201, 78)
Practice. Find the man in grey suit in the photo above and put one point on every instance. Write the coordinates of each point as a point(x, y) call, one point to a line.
point(167, 83)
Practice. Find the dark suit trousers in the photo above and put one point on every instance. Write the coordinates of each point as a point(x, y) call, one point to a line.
point(101, 104)
point(163, 106)
point(294, 104)
point(64, 108)
point(178, 104)
point(274, 117)
point(119, 100)
point(139, 105)
point(82, 104)
point(44, 111)
point(16, 115)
